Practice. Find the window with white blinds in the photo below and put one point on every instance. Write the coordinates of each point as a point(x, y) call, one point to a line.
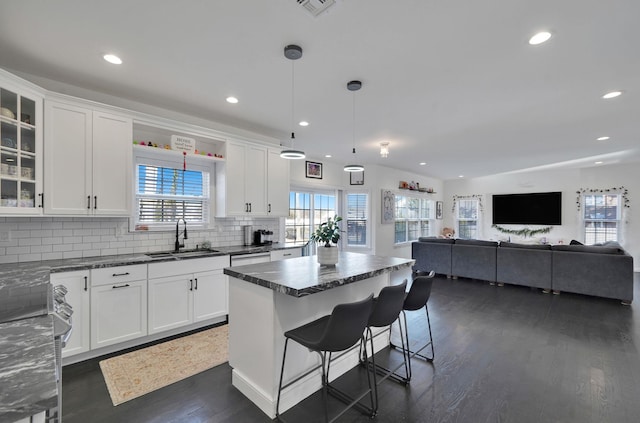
point(165, 193)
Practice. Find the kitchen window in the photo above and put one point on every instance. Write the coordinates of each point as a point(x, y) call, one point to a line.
point(413, 218)
point(166, 192)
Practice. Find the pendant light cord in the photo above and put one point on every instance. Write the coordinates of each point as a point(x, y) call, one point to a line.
point(354, 124)
point(293, 78)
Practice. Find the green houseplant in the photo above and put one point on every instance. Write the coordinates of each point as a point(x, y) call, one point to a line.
point(327, 233)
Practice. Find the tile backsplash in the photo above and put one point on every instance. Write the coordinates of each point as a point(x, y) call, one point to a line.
point(46, 238)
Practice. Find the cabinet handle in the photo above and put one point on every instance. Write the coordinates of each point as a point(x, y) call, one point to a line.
point(196, 284)
point(95, 202)
point(249, 207)
point(88, 202)
point(85, 283)
point(285, 255)
point(269, 208)
point(126, 285)
point(190, 284)
point(120, 274)
point(246, 207)
point(41, 195)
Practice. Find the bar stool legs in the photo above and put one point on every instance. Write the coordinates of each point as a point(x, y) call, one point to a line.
point(341, 331)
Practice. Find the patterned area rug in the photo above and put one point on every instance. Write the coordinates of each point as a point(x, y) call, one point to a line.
point(134, 374)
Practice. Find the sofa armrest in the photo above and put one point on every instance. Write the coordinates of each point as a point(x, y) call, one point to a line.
point(593, 273)
point(434, 256)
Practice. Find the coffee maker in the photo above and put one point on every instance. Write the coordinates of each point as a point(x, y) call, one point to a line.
point(263, 237)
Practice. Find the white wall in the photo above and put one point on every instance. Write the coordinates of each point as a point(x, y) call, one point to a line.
point(569, 181)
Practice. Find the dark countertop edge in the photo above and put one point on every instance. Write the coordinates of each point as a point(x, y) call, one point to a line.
point(43, 403)
point(298, 293)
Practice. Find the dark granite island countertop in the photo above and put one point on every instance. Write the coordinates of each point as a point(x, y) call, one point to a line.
point(27, 368)
point(303, 276)
point(268, 299)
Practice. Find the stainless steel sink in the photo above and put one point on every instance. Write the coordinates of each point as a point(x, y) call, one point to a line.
point(182, 253)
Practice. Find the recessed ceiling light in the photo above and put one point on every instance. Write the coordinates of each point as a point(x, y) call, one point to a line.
point(328, 156)
point(422, 163)
point(304, 123)
point(612, 94)
point(232, 100)
point(460, 176)
point(598, 162)
point(602, 138)
point(539, 38)
point(112, 58)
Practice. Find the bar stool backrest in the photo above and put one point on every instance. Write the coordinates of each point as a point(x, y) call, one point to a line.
point(419, 293)
point(346, 325)
point(388, 305)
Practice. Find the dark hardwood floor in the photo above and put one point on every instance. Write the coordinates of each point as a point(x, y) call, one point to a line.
point(503, 354)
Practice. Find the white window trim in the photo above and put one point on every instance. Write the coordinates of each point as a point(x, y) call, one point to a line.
point(619, 218)
point(367, 246)
point(478, 218)
point(431, 219)
point(153, 157)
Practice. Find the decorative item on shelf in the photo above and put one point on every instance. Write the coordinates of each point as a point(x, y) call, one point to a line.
point(525, 232)
point(7, 113)
point(327, 233)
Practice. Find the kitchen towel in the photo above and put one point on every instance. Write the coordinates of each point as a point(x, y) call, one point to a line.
point(139, 372)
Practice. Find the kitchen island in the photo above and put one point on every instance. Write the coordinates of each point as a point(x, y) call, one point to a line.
point(267, 299)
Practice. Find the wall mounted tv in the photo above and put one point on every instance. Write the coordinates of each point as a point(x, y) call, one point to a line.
point(540, 208)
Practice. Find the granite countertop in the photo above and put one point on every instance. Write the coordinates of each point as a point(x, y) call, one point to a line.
point(27, 368)
point(303, 276)
point(27, 363)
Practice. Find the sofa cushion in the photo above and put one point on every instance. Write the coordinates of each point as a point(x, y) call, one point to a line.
point(588, 249)
point(527, 246)
point(437, 240)
point(476, 242)
point(574, 242)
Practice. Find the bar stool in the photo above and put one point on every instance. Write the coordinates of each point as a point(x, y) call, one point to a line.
point(337, 332)
point(416, 298)
point(386, 310)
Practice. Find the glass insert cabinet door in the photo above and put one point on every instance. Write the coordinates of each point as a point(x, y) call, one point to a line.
point(20, 118)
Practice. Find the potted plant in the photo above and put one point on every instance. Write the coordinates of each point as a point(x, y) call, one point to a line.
point(327, 233)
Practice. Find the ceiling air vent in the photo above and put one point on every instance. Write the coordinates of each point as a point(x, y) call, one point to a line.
point(316, 7)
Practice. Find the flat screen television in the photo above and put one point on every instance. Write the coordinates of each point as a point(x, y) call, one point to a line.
point(539, 208)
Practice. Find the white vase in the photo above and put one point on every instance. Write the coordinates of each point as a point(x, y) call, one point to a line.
point(327, 256)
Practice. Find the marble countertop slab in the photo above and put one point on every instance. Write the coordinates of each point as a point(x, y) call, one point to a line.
point(27, 368)
point(303, 276)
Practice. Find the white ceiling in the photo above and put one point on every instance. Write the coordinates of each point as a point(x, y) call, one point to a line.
point(453, 83)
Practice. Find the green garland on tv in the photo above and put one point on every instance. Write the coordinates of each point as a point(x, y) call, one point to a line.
point(526, 232)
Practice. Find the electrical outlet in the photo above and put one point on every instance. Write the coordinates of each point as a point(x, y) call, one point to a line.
point(5, 236)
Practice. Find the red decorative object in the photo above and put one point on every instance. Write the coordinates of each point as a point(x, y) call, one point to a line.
point(184, 161)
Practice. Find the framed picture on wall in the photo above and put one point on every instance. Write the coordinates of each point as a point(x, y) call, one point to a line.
point(439, 206)
point(388, 206)
point(313, 170)
point(356, 178)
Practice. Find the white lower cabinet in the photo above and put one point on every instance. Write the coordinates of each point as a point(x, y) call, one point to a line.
point(178, 298)
point(118, 304)
point(78, 297)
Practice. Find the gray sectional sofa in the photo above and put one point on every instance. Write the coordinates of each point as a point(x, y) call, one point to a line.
point(603, 271)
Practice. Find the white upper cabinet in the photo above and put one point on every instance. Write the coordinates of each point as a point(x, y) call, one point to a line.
point(88, 161)
point(241, 182)
point(20, 147)
point(277, 185)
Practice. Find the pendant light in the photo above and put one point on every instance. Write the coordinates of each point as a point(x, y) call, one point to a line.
point(354, 86)
point(292, 52)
